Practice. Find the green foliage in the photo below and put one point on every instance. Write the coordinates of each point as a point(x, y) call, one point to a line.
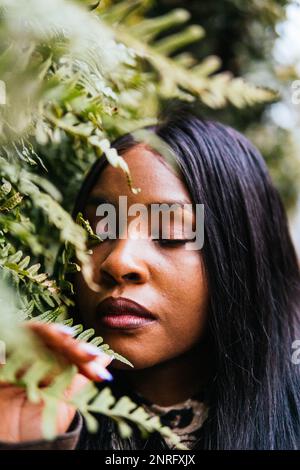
point(38, 362)
point(176, 78)
point(240, 37)
point(76, 77)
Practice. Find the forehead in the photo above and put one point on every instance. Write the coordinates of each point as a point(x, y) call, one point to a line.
point(149, 171)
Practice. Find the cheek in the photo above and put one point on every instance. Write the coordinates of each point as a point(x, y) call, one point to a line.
point(187, 281)
point(187, 293)
point(83, 294)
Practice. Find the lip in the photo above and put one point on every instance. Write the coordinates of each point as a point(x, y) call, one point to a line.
point(123, 313)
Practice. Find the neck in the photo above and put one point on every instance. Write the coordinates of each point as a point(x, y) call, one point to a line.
point(172, 381)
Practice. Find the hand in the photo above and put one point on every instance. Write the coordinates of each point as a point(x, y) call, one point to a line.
point(20, 419)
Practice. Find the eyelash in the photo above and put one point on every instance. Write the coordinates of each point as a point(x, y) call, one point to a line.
point(171, 242)
point(165, 242)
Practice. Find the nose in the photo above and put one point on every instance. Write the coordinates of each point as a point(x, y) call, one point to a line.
point(125, 263)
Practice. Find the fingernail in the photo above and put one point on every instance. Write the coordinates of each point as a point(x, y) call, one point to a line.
point(95, 351)
point(68, 330)
point(101, 371)
point(91, 349)
point(109, 357)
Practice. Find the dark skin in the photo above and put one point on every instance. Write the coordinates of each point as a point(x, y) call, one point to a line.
point(166, 279)
point(21, 420)
point(170, 356)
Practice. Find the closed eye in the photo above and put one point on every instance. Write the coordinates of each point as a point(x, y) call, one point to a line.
point(171, 242)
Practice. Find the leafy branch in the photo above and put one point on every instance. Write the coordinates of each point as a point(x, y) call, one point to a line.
point(26, 352)
point(181, 76)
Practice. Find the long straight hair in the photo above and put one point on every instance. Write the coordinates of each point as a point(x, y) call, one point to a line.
point(254, 285)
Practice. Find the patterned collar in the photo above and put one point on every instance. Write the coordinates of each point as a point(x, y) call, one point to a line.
point(185, 418)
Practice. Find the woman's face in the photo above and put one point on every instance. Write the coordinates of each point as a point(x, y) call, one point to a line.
point(166, 279)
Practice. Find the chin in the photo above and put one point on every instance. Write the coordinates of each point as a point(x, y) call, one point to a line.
point(120, 366)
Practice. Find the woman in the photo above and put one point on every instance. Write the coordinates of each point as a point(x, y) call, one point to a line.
point(213, 356)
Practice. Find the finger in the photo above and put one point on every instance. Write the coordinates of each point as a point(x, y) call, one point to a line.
point(95, 370)
point(66, 411)
point(19, 374)
point(77, 384)
point(56, 336)
point(59, 337)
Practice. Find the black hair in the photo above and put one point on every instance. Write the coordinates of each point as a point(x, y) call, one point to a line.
point(254, 284)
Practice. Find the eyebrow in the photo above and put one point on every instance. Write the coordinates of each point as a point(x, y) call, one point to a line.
point(96, 200)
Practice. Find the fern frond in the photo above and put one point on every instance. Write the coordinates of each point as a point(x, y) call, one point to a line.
point(126, 409)
point(27, 352)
